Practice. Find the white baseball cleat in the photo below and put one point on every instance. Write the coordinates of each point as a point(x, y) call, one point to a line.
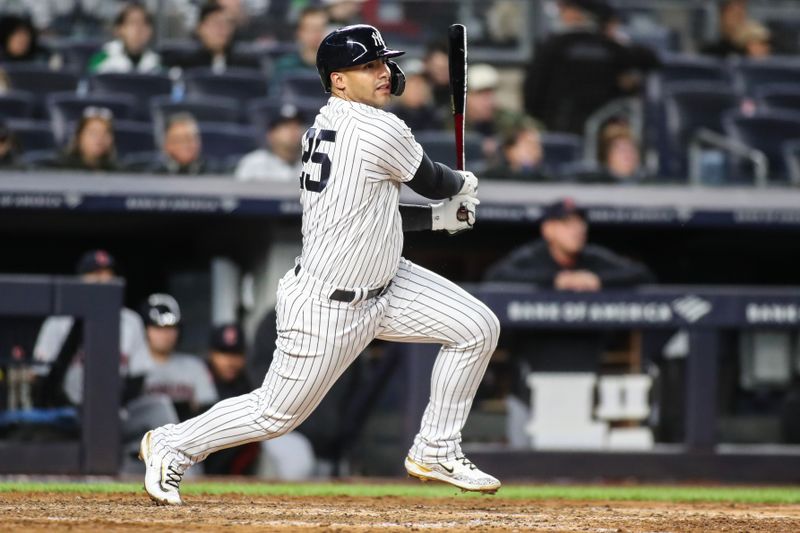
point(459, 472)
point(163, 470)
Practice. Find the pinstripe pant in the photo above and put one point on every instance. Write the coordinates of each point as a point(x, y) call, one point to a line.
point(318, 338)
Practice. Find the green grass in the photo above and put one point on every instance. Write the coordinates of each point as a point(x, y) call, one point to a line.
point(774, 495)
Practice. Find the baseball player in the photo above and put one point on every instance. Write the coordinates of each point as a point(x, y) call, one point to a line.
point(350, 285)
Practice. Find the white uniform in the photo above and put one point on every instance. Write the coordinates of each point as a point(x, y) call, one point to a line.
point(135, 357)
point(355, 159)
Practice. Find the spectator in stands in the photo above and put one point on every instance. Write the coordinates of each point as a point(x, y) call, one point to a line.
point(215, 33)
point(20, 41)
point(415, 106)
point(9, 150)
point(344, 12)
point(732, 18)
point(59, 344)
point(522, 154)
point(754, 39)
point(563, 260)
point(129, 51)
point(579, 70)
point(311, 29)
point(92, 144)
point(483, 115)
point(437, 70)
point(618, 156)
point(226, 362)
point(279, 160)
point(181, 148)
point(182, 377)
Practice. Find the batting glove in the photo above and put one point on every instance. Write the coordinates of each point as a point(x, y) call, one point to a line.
point(470, 186)
point(455, 215)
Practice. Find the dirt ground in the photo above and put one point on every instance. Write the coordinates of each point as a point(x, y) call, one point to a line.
point(230, 513)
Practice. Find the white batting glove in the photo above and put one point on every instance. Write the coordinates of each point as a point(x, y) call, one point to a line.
point(455, 214)
point(470, 186)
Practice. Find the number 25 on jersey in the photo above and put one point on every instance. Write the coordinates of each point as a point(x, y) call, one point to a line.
point(313, 139)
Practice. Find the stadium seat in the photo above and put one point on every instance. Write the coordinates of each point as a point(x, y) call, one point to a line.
point(132, 137)
point(77, 53)
point(33, 135)
point(263, 110)
point(242, 85)
point(775, 96)
point(223, 141)
point(766, 131)
point(172, 51)
point(142, 86)
point(689, 107)
point(440, 146)
point(17, 104)
point(205, 109)
point(752, 74)
point(66, 108)
point(561, 148)
point(301, 85)
point(39, 79)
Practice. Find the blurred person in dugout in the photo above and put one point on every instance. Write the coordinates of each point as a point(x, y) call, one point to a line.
point(279, 160)
point(130, 50)
point(344, 12)
point(582, 67)
point(91, 147)
point(58, 358)
point(416, 106)
point(183, 378)
point(521, 154)
point(562, 260)
point(226, 363)
point(181, 147)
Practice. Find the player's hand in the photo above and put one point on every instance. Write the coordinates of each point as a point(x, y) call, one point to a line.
point(455, 214)
point(470, 186)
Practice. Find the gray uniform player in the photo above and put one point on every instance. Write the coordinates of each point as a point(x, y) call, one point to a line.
point(351, 285)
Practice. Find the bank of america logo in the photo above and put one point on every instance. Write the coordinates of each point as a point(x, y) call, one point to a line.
point(691, 308)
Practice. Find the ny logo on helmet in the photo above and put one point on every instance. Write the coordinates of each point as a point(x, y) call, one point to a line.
point(377, 39)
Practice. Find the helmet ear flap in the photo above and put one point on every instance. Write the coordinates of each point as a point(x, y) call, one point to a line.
point(398, 78)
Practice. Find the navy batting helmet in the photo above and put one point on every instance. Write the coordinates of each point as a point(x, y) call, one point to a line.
point(356, 45)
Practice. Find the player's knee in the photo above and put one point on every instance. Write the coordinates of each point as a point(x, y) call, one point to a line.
point(488, 332)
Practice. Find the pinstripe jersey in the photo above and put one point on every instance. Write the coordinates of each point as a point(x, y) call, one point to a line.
point(355, 158)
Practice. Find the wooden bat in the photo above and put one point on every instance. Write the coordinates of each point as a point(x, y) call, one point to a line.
point(457, 40)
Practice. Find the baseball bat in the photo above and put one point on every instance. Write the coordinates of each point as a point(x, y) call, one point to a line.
point(457, 40)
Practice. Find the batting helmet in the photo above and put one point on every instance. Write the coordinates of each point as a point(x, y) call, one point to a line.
point(356, 45)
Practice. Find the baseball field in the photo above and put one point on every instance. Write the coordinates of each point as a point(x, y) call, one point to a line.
point(367, 506)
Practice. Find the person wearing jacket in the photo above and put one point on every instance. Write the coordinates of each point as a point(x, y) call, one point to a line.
point(129, 52)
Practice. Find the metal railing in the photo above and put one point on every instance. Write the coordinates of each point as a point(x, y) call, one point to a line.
point(706, 137)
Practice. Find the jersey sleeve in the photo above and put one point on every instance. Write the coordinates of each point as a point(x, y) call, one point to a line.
point(389, 149)
point(50, 338)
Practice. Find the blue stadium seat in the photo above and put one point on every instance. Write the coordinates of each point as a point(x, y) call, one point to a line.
point(691, 106)
point(33, 135)
point(751, 74)
point(440, 146)
point(39, 79)
point(561, 148)
point(172, 51)
point(66, 108)
point(78, 52)
point(263, 110)
point(17, 104)
point(223, 141)
point(132, 137)
point(677, 68)
point(766, 131)
point(242, 85)
point(205, 109)
point(775, 96)
point(142, 86)
point(302, 87)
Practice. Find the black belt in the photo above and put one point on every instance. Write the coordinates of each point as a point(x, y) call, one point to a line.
point(348, 296)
